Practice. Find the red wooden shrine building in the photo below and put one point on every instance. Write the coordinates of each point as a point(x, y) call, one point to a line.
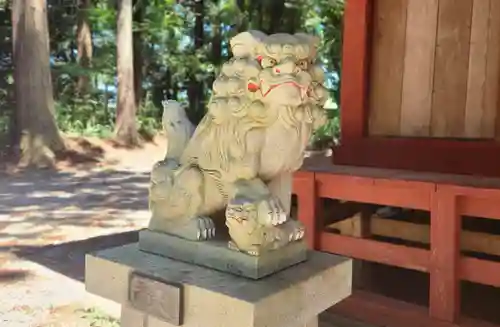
point(420, 129)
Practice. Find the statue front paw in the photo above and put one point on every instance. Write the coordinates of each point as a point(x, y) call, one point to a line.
point(267, 211)
point(294, 229)
point(271, 211)
point(200, 229)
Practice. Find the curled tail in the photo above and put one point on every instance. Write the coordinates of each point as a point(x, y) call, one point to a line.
point(177, 127)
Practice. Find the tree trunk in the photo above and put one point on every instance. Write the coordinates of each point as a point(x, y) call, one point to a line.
point(84, 44)
point(126, 127)
point(216, 55)
point(195, 88)
point(245, 18)
point(241, 5)
point(277, 10)
point(217, 43)
point(9, 106)
point(72, 48)
point(260, 14)
point(39, 136)
point(138, 18)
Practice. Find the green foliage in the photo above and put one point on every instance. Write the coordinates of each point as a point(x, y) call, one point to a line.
point(329, 132)
point(84, 116)
point(164, 32)
point(4, 123)
point(5, 115)
point(148, 120)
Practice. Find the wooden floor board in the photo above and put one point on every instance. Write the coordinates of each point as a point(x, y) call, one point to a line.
point(327, 319)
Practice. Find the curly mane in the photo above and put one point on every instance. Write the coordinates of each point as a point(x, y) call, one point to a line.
point(233, 111)
point(231, 115)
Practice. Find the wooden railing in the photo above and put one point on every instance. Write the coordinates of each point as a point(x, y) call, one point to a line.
point(446, 197)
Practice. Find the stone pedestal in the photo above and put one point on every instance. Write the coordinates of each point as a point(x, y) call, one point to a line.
point(155, 291)
point(215, 254)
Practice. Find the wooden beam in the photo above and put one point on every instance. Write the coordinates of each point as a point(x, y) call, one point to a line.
point(304, 187)
point(382, 311)
point(480, 271)
point(355, 58)
point(398, 193)
point(381, 252)
point(421, 154)
point(418, 233)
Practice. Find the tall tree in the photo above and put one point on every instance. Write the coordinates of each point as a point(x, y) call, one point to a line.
point(126, 127)
point(277, 10)
point(195, 88)
point(7, 105)
point(84, 44)
point(216, 43)
point(138, 35)
point(39, 135)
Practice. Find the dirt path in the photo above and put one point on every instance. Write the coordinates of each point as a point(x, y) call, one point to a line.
point(50, 219)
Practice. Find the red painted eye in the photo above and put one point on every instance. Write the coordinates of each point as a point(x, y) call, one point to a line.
point(266, 62)
point(252, 87)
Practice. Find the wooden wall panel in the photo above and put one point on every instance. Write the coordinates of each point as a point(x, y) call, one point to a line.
point(492, 89)
point(418, 79)
point(484, 68)
point(386, 73)
point(451, 68)
point(435, 69)
point(476, 80)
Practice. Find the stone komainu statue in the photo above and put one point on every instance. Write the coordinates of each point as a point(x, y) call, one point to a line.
point(266, 102)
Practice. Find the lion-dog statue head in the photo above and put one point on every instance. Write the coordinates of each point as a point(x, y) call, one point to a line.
point(270, 78)
point(277, 70)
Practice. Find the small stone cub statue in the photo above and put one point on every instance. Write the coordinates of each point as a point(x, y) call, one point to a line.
point(266, 102)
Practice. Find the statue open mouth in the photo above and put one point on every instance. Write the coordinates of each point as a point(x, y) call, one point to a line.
point(267, 88)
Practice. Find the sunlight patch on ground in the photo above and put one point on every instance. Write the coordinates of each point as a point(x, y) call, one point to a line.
point(36, 299)
point(46, 208)
point(20, 302)
point(57, 194)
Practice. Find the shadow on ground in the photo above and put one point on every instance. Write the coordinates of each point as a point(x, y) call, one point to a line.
point(68, 258)
point(41, 204)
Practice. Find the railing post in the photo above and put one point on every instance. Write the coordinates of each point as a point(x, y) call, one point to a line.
point(304, 186)
point(444, 302)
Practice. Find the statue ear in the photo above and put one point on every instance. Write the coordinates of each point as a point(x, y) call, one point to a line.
point(244, 44)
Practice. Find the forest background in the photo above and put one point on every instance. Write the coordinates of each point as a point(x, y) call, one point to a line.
point(103, 67)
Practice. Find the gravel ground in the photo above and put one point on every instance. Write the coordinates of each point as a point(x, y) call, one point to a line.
point(50, 219)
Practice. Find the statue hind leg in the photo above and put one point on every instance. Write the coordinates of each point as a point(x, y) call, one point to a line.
point(176, 201)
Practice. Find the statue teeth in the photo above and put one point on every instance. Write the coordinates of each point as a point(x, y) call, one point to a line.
point(303, 92)
point(264, 87)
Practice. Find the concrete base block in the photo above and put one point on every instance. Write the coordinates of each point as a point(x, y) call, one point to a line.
point(293, 297)
point(130, 317)
point(216, 254)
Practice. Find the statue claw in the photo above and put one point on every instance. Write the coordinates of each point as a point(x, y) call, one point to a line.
point(206, 228)
point(196, 229)
point(272, 211)
point(300, 234)
point(294, 229)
